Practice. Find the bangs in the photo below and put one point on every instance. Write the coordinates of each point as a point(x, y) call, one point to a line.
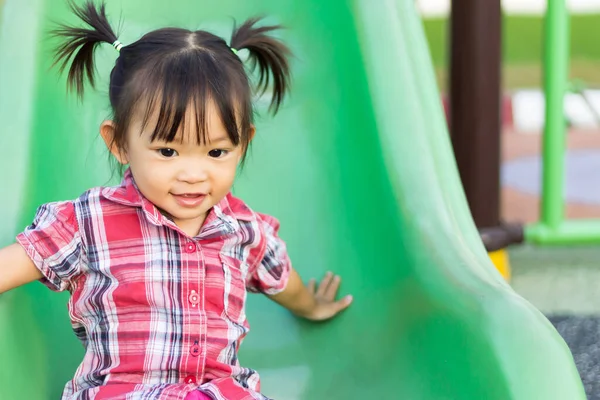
point(188, 82)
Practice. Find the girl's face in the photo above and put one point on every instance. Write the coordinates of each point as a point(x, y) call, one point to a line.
point(182, 178)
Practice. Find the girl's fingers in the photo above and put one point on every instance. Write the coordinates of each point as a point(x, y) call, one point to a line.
point(336, 307)
point(322, 289)
point(343, 303)
point(311, 286)
point(332, 289)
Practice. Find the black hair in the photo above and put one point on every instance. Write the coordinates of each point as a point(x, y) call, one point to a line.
point(173, 68)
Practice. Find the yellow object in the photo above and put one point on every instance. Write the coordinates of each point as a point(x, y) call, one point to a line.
point(500, 260)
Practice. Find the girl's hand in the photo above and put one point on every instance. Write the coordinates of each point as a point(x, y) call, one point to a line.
point(313, 302)
point(325, 305)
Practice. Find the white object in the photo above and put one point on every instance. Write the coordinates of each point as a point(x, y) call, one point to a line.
point(441, 8)
point(528, 111)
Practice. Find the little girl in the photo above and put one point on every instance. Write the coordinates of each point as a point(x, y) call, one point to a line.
point(158, 267)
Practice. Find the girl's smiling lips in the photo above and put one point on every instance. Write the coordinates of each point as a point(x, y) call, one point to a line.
point(189, 199)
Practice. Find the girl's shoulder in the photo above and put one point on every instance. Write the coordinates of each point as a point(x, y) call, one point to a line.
point(74, 204)
point(95, 196)
point(243, 212)
point(264, 224)
point(96, 200)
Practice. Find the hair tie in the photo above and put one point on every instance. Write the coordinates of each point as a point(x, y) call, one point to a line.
point(234, 51)
point(117, 45)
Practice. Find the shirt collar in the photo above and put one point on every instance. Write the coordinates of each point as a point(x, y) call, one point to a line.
point(221, 220)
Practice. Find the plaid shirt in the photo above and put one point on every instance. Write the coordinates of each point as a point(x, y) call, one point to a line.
point(160, 314)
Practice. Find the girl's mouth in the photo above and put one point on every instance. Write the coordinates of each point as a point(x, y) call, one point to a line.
point(189, 199)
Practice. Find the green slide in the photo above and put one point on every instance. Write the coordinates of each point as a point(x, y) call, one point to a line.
point(359, 169)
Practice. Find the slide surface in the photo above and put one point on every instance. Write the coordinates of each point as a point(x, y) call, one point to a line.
point(357, 166)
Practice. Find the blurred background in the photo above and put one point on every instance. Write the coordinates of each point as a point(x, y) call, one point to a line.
point(531, 172)
point(558, 273)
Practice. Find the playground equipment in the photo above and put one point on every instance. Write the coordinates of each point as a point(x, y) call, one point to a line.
point(474, 119)
point(553, 229)
point(359, 169)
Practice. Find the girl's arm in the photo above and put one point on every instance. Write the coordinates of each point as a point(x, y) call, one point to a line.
point(16, 268)
point(312, 302)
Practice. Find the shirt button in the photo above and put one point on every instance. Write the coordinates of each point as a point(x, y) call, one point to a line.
point(190, 379)
point(190, 247)
point(195, 350)
point(194, 298)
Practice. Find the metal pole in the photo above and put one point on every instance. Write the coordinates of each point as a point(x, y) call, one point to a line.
point(475, 104)
point(556, 64)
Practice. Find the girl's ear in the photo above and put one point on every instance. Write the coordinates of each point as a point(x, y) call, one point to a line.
point(107, 131)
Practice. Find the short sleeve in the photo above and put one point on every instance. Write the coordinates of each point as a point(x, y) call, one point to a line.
point(271, 274)
point(53, 243)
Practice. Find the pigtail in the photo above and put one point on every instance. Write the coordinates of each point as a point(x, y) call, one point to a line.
point(80, 43)
point(269, 54)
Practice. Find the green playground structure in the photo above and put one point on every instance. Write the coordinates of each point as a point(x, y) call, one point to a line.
point(552, 228)
point(359, 169)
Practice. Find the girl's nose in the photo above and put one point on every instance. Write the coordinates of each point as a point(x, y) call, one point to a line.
point(193, 172)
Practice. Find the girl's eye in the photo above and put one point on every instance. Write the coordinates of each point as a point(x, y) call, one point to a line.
point(217, 153)
point(168, 153)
